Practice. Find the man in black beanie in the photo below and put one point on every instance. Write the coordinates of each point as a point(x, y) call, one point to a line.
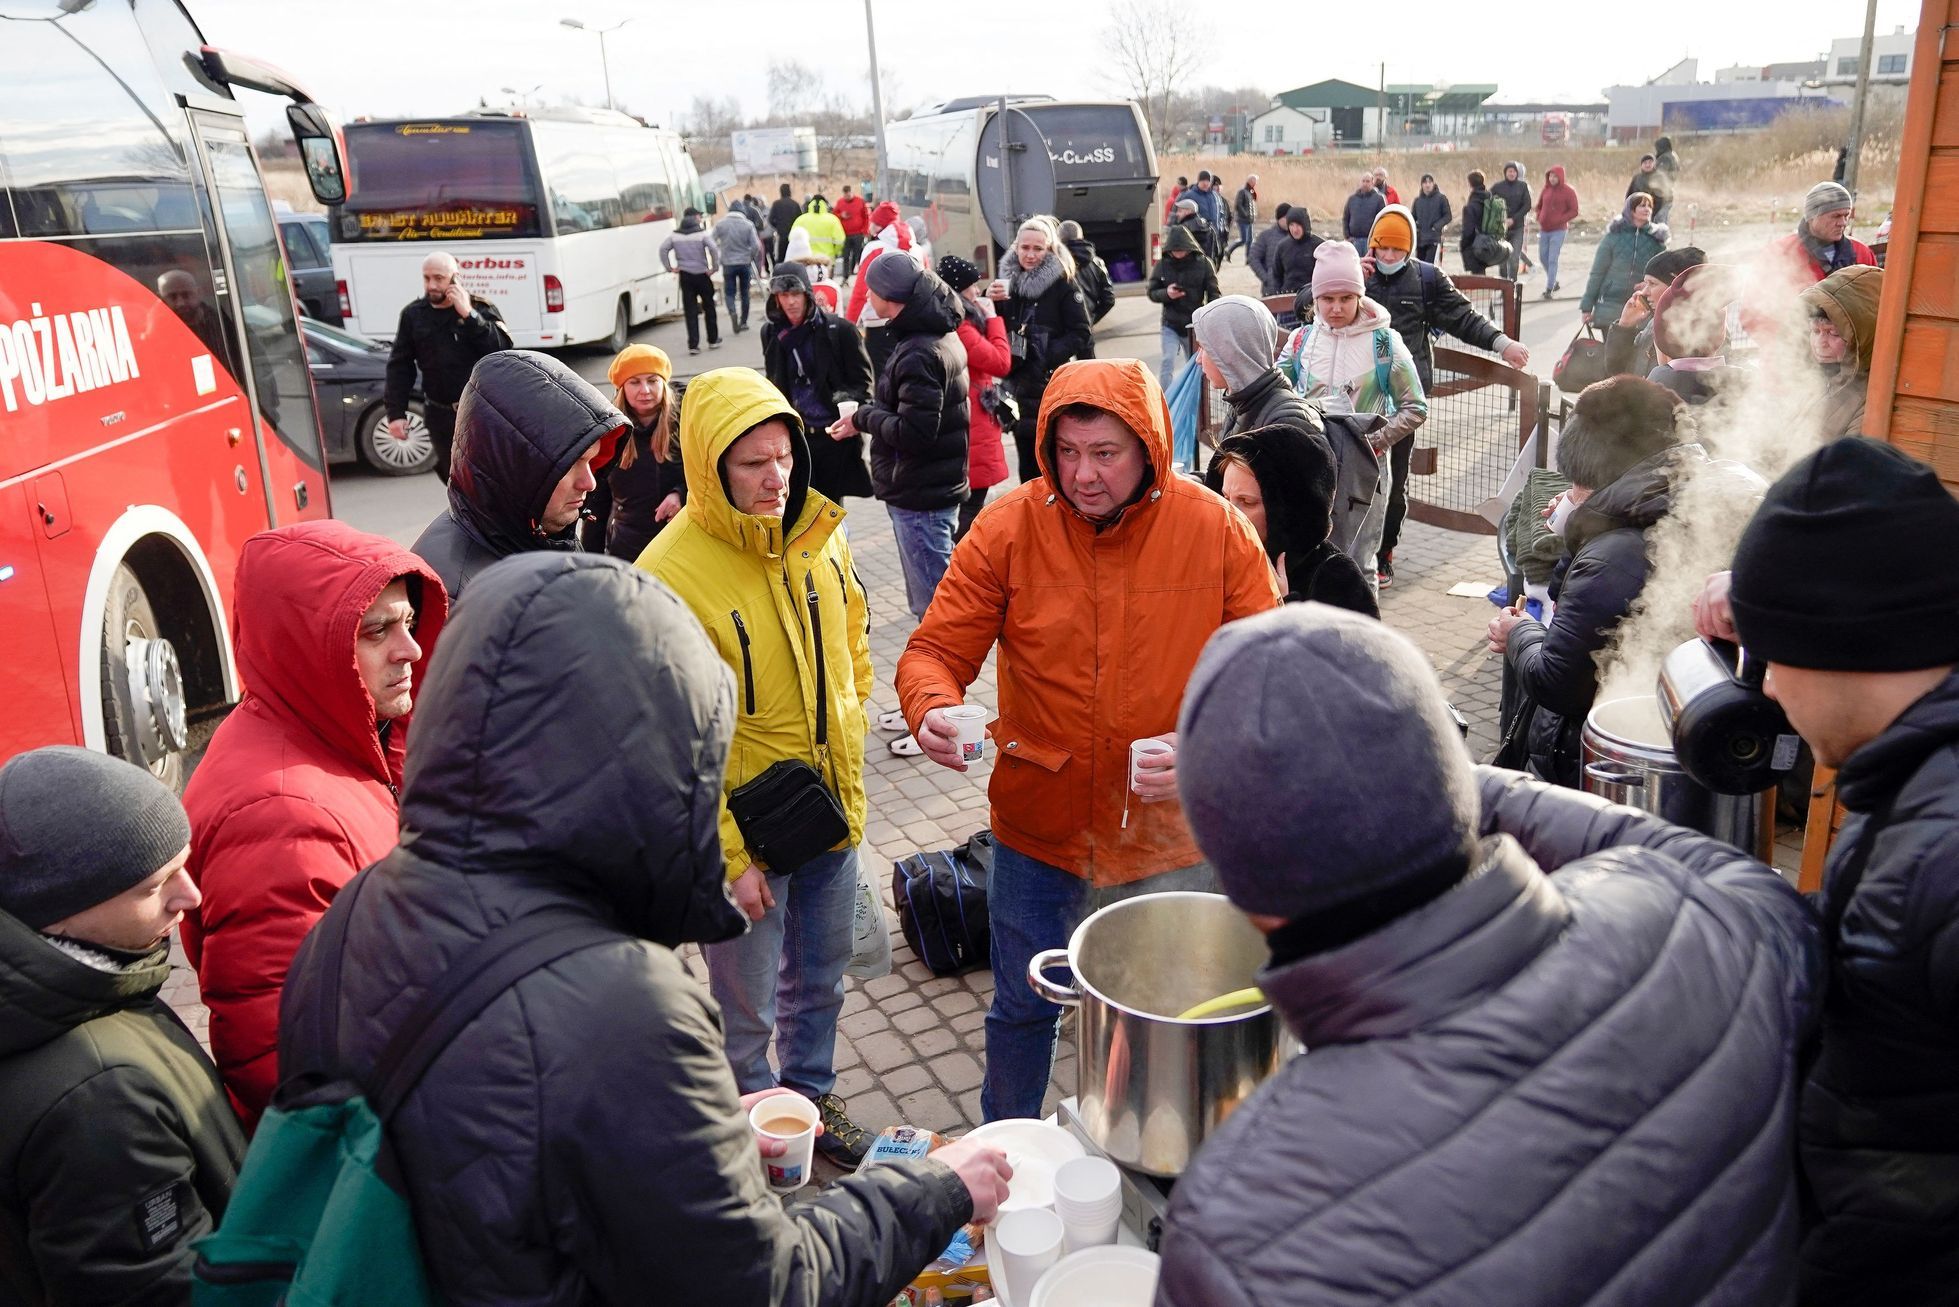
point(1551, 1043)
point(1861, 655)
point(118, 1149)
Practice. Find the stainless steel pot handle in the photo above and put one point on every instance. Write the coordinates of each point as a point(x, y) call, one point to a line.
point(1616, 773)
point(1047, 989)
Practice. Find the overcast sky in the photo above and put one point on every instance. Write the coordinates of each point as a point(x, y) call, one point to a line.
point(382, 57)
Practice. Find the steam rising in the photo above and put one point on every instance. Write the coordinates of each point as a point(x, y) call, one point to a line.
point(1752, 433)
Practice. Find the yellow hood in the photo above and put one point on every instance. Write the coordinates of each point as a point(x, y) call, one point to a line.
point(722, 406)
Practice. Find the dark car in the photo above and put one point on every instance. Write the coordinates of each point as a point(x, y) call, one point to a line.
point(311, 262)
point(349, 374)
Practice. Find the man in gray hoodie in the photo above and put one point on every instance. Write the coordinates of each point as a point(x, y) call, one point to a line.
point(740, 248)
point(1522, 1007)
point(690, 252)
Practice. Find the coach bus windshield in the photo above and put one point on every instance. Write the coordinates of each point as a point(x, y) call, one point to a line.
point(437, 180)
point(1091, 142)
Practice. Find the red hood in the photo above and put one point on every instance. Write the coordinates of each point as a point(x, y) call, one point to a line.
point(301, 591)
point(1556, 174)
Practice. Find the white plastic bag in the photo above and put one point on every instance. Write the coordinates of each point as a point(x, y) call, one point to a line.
point(870, 934)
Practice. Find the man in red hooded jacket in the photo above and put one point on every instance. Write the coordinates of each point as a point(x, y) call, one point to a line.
point(855, 215)
point(298, 789)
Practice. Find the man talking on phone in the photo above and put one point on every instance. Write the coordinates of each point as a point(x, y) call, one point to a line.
point(442, 335)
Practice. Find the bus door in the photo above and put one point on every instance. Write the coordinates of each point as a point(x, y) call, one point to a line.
point(255, 295)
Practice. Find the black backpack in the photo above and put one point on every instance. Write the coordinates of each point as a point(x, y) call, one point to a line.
point(940, 898)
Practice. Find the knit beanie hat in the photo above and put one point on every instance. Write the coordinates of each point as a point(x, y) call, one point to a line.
point(1292, 826)
point(1825, 197)
point(1240, 335)
point(1616, 425)
point(893, 275)
point(635, 360)
point(78, 828)
point(1691, 319)
point(955, 272)
point(1816, 577)
point(1394, 229)
point(1336, 270)
point(1279, 213)
point(1668, 264)
point(883, 215)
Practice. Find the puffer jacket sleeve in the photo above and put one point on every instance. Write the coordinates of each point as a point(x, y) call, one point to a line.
point(1555, 663)
point(110, 1152)
point(1558, 826)
point(654, 1186)
point(1073, 332)
point(853, 363)
point(1457, 317)
point(267, 874)
point(1194, 1275)
point(987, 355)
point(968, 612)
point(919, 390)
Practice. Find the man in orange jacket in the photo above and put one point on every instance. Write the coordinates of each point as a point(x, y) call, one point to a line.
point(1100, 580)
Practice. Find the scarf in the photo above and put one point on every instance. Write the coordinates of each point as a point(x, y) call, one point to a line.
point(1032, 285)
point(1831, 254)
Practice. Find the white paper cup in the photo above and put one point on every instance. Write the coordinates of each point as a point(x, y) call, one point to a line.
point(845, 407)
point(791, 1170)
point(1141, 749)
point(1021, 1246)
point(1088, 1199)
point(970, 722)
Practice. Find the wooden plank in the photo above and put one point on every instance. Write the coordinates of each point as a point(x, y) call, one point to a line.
point(1825, 819)
point(1934, 289)
point(1945, 121)
point(1941, 196)
point(1929, 431)
point(1928, 360)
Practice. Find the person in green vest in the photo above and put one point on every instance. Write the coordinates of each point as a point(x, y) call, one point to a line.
point(118, 1149)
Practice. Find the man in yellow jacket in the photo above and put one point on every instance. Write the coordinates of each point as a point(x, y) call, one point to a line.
point(762, 561)
point(825, 229)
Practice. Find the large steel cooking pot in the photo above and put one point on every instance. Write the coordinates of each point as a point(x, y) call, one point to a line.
point(1628, 758)
point(1152, 1086)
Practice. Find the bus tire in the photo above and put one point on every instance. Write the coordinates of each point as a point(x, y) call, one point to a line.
point(144, 703)
point(380, 452)
point(622, 328)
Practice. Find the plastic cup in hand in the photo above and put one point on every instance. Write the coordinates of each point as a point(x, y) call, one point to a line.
point(1021, 1246)
point(845, 407)
point(1140, 750)
point(1088, 1199)
point(791, 1119)
point(969, 721)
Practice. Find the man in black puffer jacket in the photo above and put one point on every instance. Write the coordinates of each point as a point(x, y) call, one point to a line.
point(1293, 259)
point(1551, 1043)
point(1620, 449)
point(529, 431)
point(918, 420)
point(581, 1141)
point(1862, 655)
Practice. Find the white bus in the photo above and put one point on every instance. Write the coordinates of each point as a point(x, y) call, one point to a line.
point(1104, 176)
point(555, 217)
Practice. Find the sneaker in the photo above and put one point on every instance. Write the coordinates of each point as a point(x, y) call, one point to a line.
point(714, 344)
point(1384, 571)
point(693, 349)
point(843, 1141)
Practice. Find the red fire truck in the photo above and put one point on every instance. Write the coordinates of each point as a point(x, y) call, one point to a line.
point(155, 402)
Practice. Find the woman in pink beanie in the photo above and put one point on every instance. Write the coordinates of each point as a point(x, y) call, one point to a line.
point(1351, 360)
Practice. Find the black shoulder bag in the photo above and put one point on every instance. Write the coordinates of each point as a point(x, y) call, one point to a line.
point(787, 815)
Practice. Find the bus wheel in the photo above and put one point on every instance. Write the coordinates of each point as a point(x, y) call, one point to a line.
point(144, 708)
point(622, 328)
point(379, 449)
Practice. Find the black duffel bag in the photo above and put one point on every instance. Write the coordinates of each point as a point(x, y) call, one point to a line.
point(940, 898)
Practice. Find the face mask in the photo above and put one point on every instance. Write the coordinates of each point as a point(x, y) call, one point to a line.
point(1384, 264)
point(1566, 507)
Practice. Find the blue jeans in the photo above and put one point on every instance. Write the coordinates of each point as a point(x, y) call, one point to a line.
point(786, 976)
point(734, 288)
point(1550, 245)
point(924, 549)
point(1176, 348)
point(1032, 906)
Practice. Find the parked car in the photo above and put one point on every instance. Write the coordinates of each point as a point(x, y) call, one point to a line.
point(349, 374)
point(311, 265)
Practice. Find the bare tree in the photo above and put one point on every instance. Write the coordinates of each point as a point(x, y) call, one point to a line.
point(795, 90)
point(709, 126)
point(1153, 50)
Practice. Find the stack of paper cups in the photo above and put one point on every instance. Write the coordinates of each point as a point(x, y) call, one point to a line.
point(1020, 1247)
point(1088, 1199)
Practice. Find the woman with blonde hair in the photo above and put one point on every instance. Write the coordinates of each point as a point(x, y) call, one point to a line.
point(644, 484)
point(1047, 321)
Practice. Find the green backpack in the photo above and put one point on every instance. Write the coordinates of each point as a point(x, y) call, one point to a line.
point(1496, 216)
point(319, 1217)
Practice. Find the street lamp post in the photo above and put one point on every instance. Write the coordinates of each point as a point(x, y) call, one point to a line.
point(605, 65)
point(523, 98)
point(877, 104)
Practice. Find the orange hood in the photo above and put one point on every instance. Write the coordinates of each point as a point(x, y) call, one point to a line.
point(1123, 387)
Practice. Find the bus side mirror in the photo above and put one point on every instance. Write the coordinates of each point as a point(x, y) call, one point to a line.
point(319, 150)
